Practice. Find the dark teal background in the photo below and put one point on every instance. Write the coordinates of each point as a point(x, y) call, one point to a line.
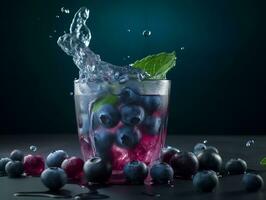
point(218, 85)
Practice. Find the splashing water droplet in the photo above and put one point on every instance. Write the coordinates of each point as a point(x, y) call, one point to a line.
point(146, 33)
point(65, 10)
point(33, 148)
point(50, 36)
point(128, 56)
point(182, 48)
point(55, 31)
point(249, 143)
point(71, 93)
point(205, 141)
point(57, 16)
point(128, 30)
point(91, 67)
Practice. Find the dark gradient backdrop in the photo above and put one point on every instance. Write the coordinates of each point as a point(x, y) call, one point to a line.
point(218, 85)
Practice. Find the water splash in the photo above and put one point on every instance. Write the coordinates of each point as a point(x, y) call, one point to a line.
point(182, 48)
point(249, 143)
point(50, 36)
point(57, 16)
point(129, 30)
point(205, 141)
point(65, 10)
point(33, 148)
point(91, 67)
point(146, 33)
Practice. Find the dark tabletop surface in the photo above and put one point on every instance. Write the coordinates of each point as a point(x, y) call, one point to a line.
point(230, 187)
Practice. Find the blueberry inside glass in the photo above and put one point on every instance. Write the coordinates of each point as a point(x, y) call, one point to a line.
point(122, 122)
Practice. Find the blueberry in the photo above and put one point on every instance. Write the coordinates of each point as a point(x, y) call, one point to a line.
point(152, 103)
point(17, 155)
point(212, 149)
point(3, 162)
point(14, 169)
point(56, 158)
point(199, 148)
point(236, 166)
point(54, 178)
point(108, 116)
point(97, 170)
point(135, 172)
point(103, 140)
point(205, 181)
point(184, 164)
point(127, 137)
point(152, 125)
point(209, 161)
point(252, 182)
point(161, 173)
point(167, 153)
point(132, 115)
point(129, 96)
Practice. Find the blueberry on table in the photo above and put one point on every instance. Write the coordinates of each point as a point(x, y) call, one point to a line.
point(152, 103)
point(252, 182)
point(198, 148)
point(73, 167)
point(55, 159)
point(129, 96)
point(97, 170)
point(236, 166)
point(132, 115)
point(54, 178)
point(34, 165)
point(212, 149)
point(161, 173)
point(135, 172)
point(14, 169)
point(17, 155)
point(108, 116)
point(103, 140)
point(184, 164)
point(3, 162)
point(209, 161)
point(127, 137)
point(205, 181)
point(167, 153)
point(152, 125)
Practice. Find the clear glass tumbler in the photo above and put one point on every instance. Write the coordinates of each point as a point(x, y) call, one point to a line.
point(122, 122)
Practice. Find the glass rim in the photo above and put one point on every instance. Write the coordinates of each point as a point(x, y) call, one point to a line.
point(133, 80)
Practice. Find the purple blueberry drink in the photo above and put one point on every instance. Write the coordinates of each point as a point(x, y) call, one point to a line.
point(122, 122)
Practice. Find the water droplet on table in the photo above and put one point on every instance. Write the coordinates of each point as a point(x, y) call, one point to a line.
point(249, 143)
point(146, 33)
point(33, 148)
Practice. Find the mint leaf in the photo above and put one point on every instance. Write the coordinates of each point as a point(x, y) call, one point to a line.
point(263, 161)
point(108, 99)
point(157, 65)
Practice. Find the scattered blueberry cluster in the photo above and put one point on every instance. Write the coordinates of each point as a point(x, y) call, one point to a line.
point(202, 166)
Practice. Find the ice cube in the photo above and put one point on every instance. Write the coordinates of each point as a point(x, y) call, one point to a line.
point(145, 150)
point(119, 157)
